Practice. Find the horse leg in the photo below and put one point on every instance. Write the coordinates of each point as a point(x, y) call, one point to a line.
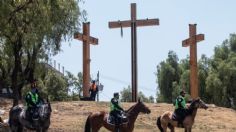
point(39, 129)
point(44, 130)
point(164, 127)
point(185, 130)
point(20, 128)
point(188, 129)
point(96, 128)
point(171, 127)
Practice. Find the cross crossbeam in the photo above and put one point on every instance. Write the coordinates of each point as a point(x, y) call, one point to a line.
point(87, 40)
point(192, 42)
point(82, 37)
point(139, 23)
point(133, 23)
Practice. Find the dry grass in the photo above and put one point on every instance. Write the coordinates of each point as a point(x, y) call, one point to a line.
point(71, 116)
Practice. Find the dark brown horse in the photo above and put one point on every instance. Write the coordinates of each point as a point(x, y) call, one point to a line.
point(97, 120)
point(165, 120)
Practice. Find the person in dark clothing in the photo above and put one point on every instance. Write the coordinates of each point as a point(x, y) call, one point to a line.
point(116, 110)
point(32, 101)
point(180, 107)
point(93, 90)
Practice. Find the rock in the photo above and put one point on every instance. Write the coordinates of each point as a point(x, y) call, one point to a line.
point(212, 105)
point(6, 121)
point(55, 111)
point(2, 112)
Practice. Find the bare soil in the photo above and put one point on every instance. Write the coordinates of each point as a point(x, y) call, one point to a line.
point(71, 117)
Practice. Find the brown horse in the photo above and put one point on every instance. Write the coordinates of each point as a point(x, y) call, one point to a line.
point(96, 120)
point(165, 120)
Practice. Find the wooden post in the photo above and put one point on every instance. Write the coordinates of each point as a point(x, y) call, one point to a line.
point(133, 23)
point(192, 42)
point(87, 40)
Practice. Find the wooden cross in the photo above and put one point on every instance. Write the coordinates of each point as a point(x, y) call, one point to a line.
point(87, 40)
point(192, 42)
point(133, 23)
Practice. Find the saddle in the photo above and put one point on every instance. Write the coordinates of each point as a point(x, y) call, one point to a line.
point(113, 121)
point(30, 114)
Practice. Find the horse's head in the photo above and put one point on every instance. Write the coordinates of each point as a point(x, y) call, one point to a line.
point(198, 103)
point(45, 110)
point(142, 107)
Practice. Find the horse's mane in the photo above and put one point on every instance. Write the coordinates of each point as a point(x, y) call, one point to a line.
point(191, 107)
point(132, 107)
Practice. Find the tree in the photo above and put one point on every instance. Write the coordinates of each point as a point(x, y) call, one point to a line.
point(151, 99)
point(74, 84)
point(56, 87)
point(216, 75)
point(31, 30)
point(126, 96)
point(203, 70)
point(167, 72)
point(143, 97)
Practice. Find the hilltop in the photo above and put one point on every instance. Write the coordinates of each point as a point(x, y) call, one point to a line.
point(71, 116)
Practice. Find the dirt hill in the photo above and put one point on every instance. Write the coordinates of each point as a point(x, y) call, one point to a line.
point(71, 116)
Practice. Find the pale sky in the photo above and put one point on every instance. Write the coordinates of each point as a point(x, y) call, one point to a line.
point(112, 57)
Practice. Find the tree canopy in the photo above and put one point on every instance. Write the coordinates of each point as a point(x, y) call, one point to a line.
point(216, 75)
point(30, 32)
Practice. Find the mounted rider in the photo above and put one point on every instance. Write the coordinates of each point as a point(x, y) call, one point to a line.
point(116, 110)
point(32, 99)
point(180, 107)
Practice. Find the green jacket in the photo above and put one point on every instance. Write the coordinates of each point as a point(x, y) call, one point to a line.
point(115, 105)
point(180, 102)
point(32, 99)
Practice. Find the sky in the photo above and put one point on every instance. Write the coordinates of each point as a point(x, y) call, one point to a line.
point(112, 57)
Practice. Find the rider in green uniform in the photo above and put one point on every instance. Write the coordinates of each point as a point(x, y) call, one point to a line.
point(32, 101)
point(116, 109)
point(180, 106)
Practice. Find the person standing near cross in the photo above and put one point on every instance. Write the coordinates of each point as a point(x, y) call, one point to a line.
point(87, 40)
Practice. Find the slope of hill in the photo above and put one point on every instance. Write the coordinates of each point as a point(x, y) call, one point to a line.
point(71, 116)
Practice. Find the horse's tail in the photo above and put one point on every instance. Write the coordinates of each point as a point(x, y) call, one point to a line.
point(87, 125)
point(159, 124)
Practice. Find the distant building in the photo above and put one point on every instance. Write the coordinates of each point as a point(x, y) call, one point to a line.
point(7, 92)
point(49, 67)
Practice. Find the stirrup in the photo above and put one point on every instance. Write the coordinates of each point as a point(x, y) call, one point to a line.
point(35, 119)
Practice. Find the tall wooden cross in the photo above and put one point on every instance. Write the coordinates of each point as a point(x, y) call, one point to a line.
point(87, 40)
point(192, 42)
point(134, 23)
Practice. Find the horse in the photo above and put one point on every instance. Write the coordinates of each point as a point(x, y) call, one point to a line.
point(165, 120)
point(18, 120)
point(99, 119)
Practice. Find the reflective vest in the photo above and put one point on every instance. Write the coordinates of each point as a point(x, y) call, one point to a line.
point(34, 98)
point(180, 102)
point(113, 107)
point(93, 87)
